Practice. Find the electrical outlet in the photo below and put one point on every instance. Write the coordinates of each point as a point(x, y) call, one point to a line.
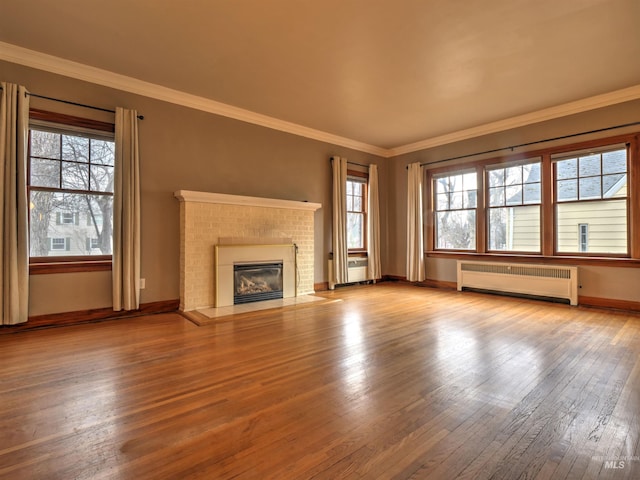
point(143, 283)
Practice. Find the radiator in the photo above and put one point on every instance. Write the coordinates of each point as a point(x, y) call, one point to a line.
point(525, 279)
point(356, 271)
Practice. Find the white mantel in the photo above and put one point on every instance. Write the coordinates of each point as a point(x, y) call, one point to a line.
point(206, 219)
point(226, 199)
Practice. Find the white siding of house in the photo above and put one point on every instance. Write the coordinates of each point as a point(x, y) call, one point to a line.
point(607, 222)
point(525, 229)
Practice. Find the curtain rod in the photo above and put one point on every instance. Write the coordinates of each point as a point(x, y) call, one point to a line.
point(140, 117)
point(495, 150)
point(352, 163)
point(358, 164)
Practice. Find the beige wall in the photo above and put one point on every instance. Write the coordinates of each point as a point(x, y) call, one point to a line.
point(603, 282)
point(185, 149)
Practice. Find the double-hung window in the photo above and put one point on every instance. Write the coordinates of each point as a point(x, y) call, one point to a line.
point(356, 213)
point(515, 196)
point(568, 201)
point(591, 198)
point(456, 201)
point(71, 174)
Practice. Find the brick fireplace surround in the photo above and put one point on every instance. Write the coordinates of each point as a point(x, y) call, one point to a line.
point(205, 218)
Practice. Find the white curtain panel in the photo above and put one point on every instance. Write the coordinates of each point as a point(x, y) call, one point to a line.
point(339, 230)
point(415, 235)
point(373, 231)
point(14, 241)
point(126, 213)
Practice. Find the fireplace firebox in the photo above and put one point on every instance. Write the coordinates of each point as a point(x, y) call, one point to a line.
point(254, 282)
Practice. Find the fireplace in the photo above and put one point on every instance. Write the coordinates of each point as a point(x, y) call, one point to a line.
point(254, 282)
point(250, 272)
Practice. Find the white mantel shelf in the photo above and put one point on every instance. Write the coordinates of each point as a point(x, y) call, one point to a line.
point(226, 199)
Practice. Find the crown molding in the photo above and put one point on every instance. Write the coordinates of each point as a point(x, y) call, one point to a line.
point(42, 61)
point(571, 108)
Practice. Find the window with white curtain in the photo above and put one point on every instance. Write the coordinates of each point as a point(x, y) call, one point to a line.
point(70, 183)
point(356, 213)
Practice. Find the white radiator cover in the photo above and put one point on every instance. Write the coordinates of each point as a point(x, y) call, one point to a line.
point(356, 271)
point(528, 279)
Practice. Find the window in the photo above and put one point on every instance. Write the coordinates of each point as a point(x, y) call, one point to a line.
point(455, 210)
point(356, 213)
point(583, 236)
point(515, 197)
point(92, 244)
point(563, 202)
point(70, 189)
point(591, 188)
point(59, 244)
point(67, 218)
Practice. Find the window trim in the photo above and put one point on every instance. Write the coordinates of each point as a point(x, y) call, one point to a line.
point(548, 246)
point(76, 263)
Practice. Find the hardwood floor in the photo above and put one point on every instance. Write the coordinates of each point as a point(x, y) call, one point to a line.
point(392, 382)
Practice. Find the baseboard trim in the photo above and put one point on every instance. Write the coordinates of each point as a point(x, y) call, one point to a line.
point(393, 278)
point(594, 302)
point(438, 284)
point(626, 305)
point(89, 316)
point(321, 287)
point(425, 283)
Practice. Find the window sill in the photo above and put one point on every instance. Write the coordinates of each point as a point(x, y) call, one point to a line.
point(48, 266)
point(551, 260)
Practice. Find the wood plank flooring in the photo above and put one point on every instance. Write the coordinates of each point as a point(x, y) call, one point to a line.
point(391, 382)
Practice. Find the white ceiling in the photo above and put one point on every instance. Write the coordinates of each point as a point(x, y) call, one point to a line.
point(382, 73)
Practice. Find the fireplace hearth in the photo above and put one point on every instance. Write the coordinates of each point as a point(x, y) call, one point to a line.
point(254, 282)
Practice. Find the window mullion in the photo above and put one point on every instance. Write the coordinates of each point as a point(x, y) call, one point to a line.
point(547, 222)
point(60, 163)
point(481, 211)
